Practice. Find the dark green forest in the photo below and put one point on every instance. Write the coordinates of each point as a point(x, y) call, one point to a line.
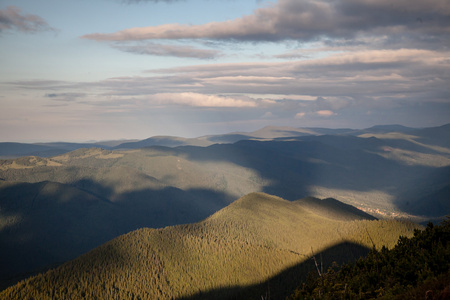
point(416, 268)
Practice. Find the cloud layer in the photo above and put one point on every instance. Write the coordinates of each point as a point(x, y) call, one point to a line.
point(170, 50)
point(11, 19)
point(367, 87)
point(309, 20)
point(340, 63)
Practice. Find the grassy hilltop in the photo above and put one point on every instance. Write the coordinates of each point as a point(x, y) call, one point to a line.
point(258, 243)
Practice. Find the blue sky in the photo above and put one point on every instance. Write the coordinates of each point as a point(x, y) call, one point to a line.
point(79, 70)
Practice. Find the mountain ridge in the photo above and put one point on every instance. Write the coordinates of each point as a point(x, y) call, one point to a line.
point(224, 250)
point(13, 149)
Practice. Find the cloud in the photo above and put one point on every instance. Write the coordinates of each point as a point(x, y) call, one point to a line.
point(407, 86)
point(325, 113)
point(344, 76)
point(310, 20)
point(65, 96)
point(170, 50)
point(12, 19)
point(155, 1)
point(201, 100)
point(342, 80)
point(267, 115)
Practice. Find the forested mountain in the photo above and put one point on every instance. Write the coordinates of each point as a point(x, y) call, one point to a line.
point(77, 200)
point(257, 244)
point(416, 268)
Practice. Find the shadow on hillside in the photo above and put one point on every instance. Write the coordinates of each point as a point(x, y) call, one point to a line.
point(341, 164)
point(428, 196)
point(53, 222)
point(283, 284)
point(292, 167)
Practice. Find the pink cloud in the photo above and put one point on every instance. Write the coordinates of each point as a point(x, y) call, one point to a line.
point(325, 113)
point(200, 100)
point(11, 18)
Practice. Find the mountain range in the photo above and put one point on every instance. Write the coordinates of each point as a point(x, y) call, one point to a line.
point(73, 198)
point(433, 135)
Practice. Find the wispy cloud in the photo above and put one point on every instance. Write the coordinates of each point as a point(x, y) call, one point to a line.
point(300, 115)
point(201, 100)
point(65, 96)
point(11, 19)
point(154, 1)
point(325, 113)
point(170, 50)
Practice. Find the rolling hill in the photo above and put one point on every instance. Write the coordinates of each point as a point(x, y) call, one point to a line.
point(258, 243)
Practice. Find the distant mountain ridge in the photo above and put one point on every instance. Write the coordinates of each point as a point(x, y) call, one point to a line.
point(12, 150)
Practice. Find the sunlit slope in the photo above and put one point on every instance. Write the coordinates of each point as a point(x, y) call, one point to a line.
point(113, 173)
point(333, 209)
point(252, 240)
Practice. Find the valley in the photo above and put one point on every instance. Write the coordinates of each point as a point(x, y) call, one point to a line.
point(56, 207)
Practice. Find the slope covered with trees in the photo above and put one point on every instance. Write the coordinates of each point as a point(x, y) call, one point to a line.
point(257, 243)
point(416, 268)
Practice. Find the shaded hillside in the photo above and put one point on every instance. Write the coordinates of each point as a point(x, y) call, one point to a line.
point(416, 268)
point(47, 223)
point(355, 170)
point(428, 196)
point(433, 135)
point(388, 128)
point(165, 141)
point(13, 150)
point(255, 239)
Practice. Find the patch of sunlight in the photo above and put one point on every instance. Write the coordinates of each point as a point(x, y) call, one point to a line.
point(52, 163)
point(110, 155)
point(28, 163)
point(9, 221)
point(61, 158)
point(402, 136)
point(374, 202)
point(389, 136)
point(220, 176)
point(86, 153)
point(415, 158)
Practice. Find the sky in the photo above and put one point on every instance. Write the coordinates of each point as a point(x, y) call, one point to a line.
point(83, 70)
